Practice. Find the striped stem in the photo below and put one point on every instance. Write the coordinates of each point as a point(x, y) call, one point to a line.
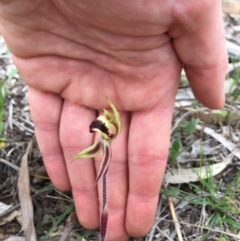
point(104, 215)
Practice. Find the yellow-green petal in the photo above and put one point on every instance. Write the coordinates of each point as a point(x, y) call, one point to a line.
point(117, 119)
point(91, 151)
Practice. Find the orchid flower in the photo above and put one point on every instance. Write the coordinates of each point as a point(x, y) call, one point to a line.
point(109, 126)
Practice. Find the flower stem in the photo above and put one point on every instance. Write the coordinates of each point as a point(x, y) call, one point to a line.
point(104, 216)
point(104, 188)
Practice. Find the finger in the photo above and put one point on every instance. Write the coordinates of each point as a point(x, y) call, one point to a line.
point(75, 136)
point(46, 112)
point(148, 151)
point(117, 184)
point(202, 50)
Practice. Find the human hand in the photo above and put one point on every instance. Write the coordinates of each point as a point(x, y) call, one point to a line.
point(73, 54)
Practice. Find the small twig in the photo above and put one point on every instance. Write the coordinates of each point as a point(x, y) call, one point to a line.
point(7, 56)
point(60, 198)
point(174, 217)
point(206, 228)
point(164, 234)
point(26, 121)
point(22, 127)
point(70, 224)
point(62, 194)
point(10, 115)
point(159, 220)
point(10, 164)
point(154, 227)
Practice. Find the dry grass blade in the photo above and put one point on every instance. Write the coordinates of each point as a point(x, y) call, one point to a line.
point(9, 164)
point(25, 198)
point(174, 217)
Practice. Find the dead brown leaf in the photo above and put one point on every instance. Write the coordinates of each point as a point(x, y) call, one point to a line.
point(25, 198)
point(11, 216)
point(177, 176)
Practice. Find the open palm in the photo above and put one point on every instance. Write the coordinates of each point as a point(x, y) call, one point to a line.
point(73, 54)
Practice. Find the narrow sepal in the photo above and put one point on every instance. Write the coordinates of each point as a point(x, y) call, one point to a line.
point(106, 159)
point(91, 151)
point(117, 116)
point(108, 115)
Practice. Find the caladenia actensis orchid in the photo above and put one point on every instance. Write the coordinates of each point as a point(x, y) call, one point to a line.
point(109, 126)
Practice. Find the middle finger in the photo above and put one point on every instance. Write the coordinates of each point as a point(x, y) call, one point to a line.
point(75, 136)
point(117, 184)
